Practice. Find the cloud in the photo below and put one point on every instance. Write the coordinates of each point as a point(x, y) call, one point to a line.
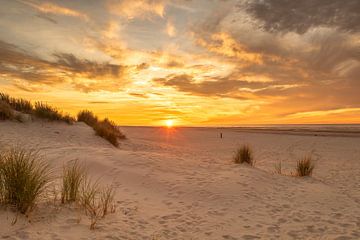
point(300, 16)
point(220, 87)
point(137, 9)
point(170, 29)
point(47, 18)
point(52, 8)
point(82, 74)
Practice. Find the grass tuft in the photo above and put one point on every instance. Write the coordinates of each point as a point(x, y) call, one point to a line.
point(95, 200)
point(278, 168)
point(45, 111)
point(106, 128)
point(73, 176)
point(305, 167)
point(244, 155)
point(6, 112)
point(87, 117)
point(17, 104)
point(24, 178)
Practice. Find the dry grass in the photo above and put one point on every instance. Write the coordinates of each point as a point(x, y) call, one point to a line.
point(45, 111)
point(24, 178)
point(305, 167)
point(244, 155)
point(107, 200)
point(278, 168)
point(87, 117)
point(107, 131)
point(6, 112)
point(73, 176)
point(17, 104)
point(96, 203)
point(106, 128)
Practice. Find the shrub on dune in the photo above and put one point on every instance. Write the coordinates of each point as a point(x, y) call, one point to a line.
point(43, 110)
point(244, 155)
point(24, 178)
point(73, 176)
point(305, 167)
point(87, 117)
point(103, 130)
point(6, 112)
point(17, 104)
point(96, 202)
point(106, 128)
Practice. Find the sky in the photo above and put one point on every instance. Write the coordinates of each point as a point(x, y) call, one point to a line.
point(195, 62)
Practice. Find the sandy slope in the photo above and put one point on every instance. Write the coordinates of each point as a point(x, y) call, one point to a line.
point(181, 184)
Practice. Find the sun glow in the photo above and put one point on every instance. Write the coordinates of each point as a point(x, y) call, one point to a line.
point(169, 123)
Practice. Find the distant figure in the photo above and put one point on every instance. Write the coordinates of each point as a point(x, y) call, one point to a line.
point(220, 135)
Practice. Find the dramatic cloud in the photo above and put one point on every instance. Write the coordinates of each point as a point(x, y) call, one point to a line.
point(299, 16)
point(213, 62)
point(84, 74)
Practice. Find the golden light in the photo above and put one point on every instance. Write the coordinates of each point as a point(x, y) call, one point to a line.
point(169, 123)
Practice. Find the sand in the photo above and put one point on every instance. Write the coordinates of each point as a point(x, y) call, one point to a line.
point(181, 184)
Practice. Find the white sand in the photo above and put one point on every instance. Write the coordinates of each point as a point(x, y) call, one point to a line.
point(181, 184)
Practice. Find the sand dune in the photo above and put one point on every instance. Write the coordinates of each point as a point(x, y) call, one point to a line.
point(181, 184)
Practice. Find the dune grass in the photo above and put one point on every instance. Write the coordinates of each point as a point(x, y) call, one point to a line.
point(45, 111)
point(73, 176)
point(5, 111)
point(96, 201)
point(24, 178)
point(305, 167)
point(244, 155)
point(278, 168)
point(87, 117)
point(106, 128)
point(18, 104)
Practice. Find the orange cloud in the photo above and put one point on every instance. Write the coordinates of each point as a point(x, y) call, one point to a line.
point(56, 9)
point(170, 29)
point(137, 9)
point(224, 44)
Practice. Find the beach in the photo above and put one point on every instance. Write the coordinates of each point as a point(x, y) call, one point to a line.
point(181, 183)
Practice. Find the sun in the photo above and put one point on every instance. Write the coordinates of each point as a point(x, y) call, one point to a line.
point(169, 123)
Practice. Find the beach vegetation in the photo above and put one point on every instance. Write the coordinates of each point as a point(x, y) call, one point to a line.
point(6, 112)
point(106, 128)
point(45, 111)
point(305, 166)
point(18, 104)
point(244, 154)
point(73, 175)
point(24, 177)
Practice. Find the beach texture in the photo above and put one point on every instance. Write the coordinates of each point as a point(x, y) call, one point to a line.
point(181, 183)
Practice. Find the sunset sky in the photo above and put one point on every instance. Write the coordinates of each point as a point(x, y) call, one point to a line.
point(195, 62)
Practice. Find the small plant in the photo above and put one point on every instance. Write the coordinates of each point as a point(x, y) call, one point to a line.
point(24, 178)
point(87, 117)
point(73, 176)
point(278, 168)
point(6, 112)
point(95, 202)
point(244, 155)
point(43, 110)
point(17, 104)
point(305, 167)
point(106, 128)
point(103, 130)
point(107, 200)
point(89, 201)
